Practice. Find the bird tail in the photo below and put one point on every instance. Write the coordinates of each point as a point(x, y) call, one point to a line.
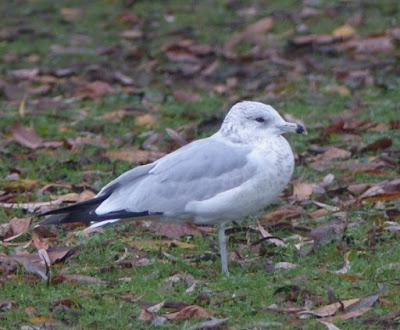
point(84, 212)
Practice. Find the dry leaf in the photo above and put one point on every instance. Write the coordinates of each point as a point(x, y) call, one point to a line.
point(345, 31)
point(189, 312)
point(261, 26)
point(19, 185)
point(285, 212)
point(134, 155)
point(93, 90)
point(147, 120)
point(26, 136)
point(17, 227)
point(175, 230)
point(183, 95)
point(302, 190)
point(380, 144)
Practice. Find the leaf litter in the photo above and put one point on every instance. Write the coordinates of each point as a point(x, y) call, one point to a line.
point(312, 216)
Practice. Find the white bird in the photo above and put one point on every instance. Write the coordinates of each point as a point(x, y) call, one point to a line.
point(232, 174)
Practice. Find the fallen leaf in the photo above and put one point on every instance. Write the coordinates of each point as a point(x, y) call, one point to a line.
point(146, 120)
point(58, 254)
point(346, 266)
point(26, 137)
point(345, 31)
point(183, 95)
point(131, 34)
point(38, 241)
point(71, 14)
point(93, 90)
point(261, 26)
point(41, 319)
point(370, 45)
point(285, 212)
point(356, 309)
point(18, 185)
point(75, 197)
point(31, 207)
point(189, 312)
point(358, 188)
point(326, 233)
point(134, 155)
point(302, 190)
point(16, 227)
point(175, 230)
point(380, 144)
point(330, 309)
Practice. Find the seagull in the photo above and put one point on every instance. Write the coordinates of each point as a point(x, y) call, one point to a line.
point(226, 177)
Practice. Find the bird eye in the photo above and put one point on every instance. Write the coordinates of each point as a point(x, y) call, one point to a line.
point(260, 119)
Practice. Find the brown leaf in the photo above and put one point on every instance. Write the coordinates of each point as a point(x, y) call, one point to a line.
point(75, 197)
point(39, 242)
point(380, 144)
point(146, 120)
point(48, 321)
point(115, 116)
point(19, 185)
point(93, 90)
point(285, 212)
point(302, 190)
point(134, 155)
point(189, 312)
point(344, 32)
point(374, 44)
point(30, 207)
point(19, 226)
point(324, 160)
point(326, 233)
point(313, 40)
point(26, 136)
point(58, 254)
point(330, 309)
point(183, 95)
point(356, 309)
point(261, 26)
point(71, 14)
point(131, 34)
point(358, 188)
point(175, 230)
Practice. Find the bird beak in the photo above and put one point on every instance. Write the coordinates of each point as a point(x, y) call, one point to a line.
point(292, 128)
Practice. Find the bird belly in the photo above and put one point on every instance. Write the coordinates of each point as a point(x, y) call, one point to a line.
point(275, 166)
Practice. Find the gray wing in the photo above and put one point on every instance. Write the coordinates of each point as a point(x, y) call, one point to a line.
point(195, 172)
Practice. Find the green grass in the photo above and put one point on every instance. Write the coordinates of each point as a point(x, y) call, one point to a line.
point(246, 294)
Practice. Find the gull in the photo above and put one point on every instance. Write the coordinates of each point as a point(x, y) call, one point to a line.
point(226, 177)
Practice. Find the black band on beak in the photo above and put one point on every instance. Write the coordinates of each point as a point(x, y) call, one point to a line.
point(300, 129)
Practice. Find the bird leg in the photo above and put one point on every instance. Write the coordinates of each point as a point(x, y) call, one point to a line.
point(222, 249)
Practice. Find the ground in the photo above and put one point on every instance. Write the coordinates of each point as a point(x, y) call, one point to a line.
point(88, 91)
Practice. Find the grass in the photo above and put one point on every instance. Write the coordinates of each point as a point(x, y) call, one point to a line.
point(246, 294)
